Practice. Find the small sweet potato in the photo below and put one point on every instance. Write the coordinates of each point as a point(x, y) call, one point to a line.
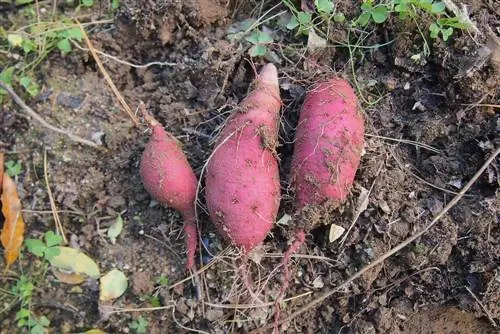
point(170, 180)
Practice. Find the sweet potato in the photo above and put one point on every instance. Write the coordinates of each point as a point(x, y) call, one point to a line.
point(242, 179)
point(170, 180)
point(328, 146)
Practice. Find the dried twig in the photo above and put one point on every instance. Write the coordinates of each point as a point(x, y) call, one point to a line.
point(53, 207)
point(40, 120)
point(106, 75)
point(406, 141)
point(253, 306)
point(488, 314)
point(390, 253)
point(124, 62)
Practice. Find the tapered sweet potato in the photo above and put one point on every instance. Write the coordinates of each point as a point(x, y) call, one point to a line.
point(242, 178)
point(170, 180)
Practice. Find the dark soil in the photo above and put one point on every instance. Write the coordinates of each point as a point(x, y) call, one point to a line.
point(447, 102)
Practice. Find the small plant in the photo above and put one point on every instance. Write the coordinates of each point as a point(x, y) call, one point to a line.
point(259, 40)
point(33, 42)
point(140, 325)
point(162, 281)
point(13, 168)
point(379, 13)
point(324, 12)
point(23, 290)
point(48, 249)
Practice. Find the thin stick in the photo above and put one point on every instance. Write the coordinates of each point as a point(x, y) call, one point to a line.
point(488, 314)
point(390, 253)
point(40, 120)
point(106, 75)
point(124, 62)
point(57, 221)
point(406, 141)
point(143, 309)
point(481, 105)
point(184, 327)
point(252, 306)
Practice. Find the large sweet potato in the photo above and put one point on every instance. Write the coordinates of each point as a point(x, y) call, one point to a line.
point(242, 179)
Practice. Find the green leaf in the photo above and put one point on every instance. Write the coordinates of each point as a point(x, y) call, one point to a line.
point(37, 329)
point(44, 321)
point(87, 3)
point(257, 51)
point(446, 33)
point(162, 280)
point(453, 22)
point(115, 229)
point(51, 252)
point(140, 325)
point(363, 19)
point(155, 302)
point(240, 26)
point(115, 4)
point(33, 90)
point(15, 39)
point(35, 246)
point(434, 29)
point(293, 23)
point(113, 285)
point(259, 37)
point(6, 75)
point(438, 7)
point(324, 6)
point(74, 33)
point(22, 314)
point(28, 45)
point(401, 8)
point(25, 81)
point(64, 45)
point(26, 289)
point(14, 168)
point(52, 239)
point(339, 17)
point(379, 14)
point(304, 18)
point(366, 6)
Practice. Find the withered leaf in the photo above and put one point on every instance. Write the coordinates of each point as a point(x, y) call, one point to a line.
point(13, 227)
point(1, 171)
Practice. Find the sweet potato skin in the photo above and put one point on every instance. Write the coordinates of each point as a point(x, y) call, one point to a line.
point(169, 179)
point(329, 143)
point(242, 179)
point(166, 173)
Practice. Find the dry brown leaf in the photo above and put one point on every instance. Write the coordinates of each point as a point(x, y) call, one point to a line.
point(68, 278)
point(1, 171)
point(13, 226)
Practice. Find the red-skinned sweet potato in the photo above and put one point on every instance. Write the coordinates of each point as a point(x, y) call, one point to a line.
point(328, 146)
point(242, 179)
point(170, 180)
